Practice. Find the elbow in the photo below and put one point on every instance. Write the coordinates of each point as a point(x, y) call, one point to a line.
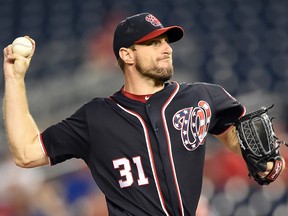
point(28, 155)
point(21, 162)
point(21, 159)
point(30, 162)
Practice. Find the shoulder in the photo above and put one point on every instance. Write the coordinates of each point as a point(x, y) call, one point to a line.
point(199, 87)
point(197, 84)
point(98, 101)
point(96, 104)
point(209, 87)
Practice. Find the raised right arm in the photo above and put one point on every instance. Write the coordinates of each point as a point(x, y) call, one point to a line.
point(22, 131)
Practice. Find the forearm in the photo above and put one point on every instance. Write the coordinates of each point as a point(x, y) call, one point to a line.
point(230, 140)
point(21, 130)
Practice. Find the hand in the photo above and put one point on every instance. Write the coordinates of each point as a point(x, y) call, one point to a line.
point(270, 167)
point(15, 66)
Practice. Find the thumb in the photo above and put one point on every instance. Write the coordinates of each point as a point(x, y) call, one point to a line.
point(21, 64)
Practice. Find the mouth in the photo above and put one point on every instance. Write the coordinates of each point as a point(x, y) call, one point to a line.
point(165, 59)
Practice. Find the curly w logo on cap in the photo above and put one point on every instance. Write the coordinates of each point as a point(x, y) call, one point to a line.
point(153, 20)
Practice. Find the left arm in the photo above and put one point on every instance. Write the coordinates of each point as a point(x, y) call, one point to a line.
point(230, 140)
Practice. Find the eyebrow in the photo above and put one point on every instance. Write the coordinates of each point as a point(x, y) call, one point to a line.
point(164, 36)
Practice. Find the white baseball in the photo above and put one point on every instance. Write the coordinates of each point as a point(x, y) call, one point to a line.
point(22, 46)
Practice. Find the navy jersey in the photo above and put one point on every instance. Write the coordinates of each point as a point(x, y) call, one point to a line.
point(147, 158)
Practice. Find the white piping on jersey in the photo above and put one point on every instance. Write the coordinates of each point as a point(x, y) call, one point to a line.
point(150, 156)
point(169, 146)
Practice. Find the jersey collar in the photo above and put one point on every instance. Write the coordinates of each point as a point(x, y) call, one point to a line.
point(141, 98)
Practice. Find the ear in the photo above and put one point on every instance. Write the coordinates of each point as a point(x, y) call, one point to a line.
point(126, 55)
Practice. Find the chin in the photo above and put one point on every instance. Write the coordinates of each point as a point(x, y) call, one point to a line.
point(165, 77)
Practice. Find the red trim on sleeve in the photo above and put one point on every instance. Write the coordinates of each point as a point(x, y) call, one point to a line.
point(243, 113)
point(43, 148)
point(42, 144)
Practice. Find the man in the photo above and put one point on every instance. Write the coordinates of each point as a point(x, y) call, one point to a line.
point(145, 144)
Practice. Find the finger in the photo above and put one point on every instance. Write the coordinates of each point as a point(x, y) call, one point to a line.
point(284, 164)
point(33, 46)
point(5, 52)
point(29, 38)
point(8, 50)
point(269, 167)
point(12, 56)
point(7, 55)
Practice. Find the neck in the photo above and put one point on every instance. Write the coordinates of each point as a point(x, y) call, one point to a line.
point(139, 85)
point(141, 88)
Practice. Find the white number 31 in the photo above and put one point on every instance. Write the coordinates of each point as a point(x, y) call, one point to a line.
point(124, 167)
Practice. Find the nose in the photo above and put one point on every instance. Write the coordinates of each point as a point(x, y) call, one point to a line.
point(167, 48)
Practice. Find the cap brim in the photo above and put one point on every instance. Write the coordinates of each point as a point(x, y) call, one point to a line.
point(174, 34)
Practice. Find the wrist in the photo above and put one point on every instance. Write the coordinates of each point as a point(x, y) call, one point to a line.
point(14, 85)
point(14, 80)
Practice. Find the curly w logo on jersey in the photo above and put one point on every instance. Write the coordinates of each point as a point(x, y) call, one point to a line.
point(193, 122)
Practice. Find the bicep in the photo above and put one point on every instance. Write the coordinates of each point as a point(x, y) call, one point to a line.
point(230, 140)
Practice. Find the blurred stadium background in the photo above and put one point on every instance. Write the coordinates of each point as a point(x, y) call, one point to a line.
point(239, 44)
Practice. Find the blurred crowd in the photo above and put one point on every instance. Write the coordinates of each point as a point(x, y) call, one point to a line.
point(239, 44)
point(33, 192)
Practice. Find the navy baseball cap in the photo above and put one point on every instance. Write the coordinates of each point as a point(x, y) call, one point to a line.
point(140, 28)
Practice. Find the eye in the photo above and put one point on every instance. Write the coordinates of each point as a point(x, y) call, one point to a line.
point(154, 42)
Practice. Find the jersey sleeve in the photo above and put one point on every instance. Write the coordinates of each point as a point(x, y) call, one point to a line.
point(67, 139)
point(226, 108)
